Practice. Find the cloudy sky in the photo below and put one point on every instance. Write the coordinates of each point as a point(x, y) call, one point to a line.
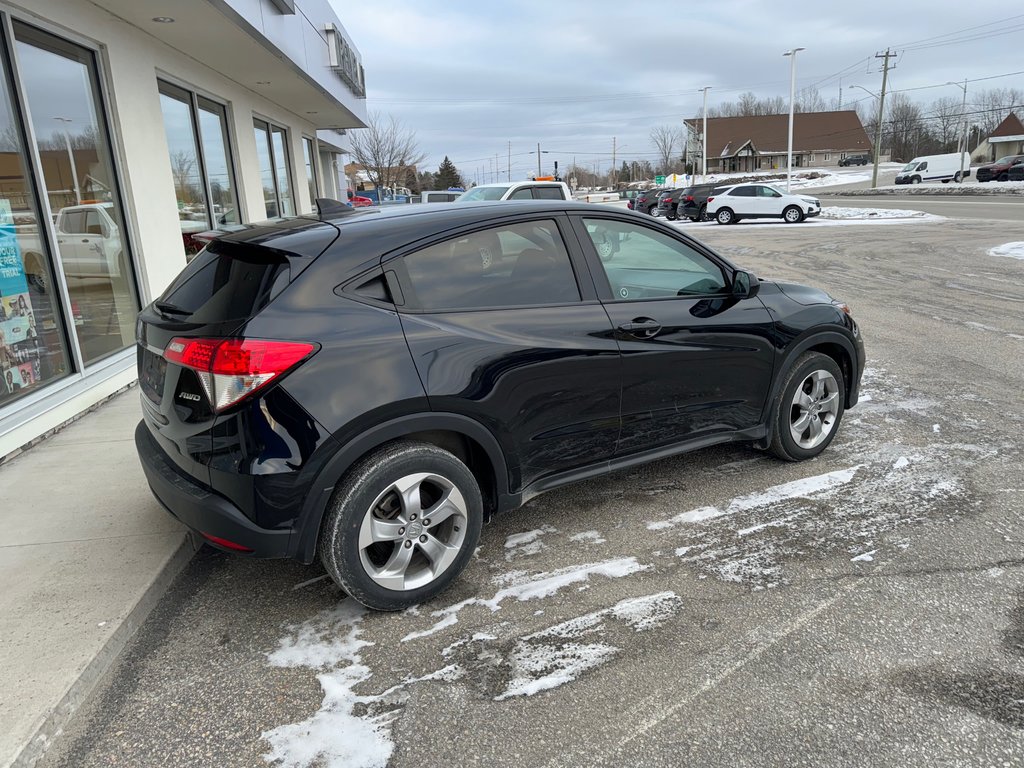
point(470, 76)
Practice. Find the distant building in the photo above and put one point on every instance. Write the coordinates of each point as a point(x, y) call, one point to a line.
point(1006, 139)
point(759, 142)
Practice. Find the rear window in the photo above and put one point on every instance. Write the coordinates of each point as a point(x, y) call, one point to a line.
point(227, 281)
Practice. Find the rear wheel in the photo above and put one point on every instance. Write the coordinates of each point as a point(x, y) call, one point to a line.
point(957, 177)
point(703, 215)
point(793, 215)
point(809, 409)
point(402, 525)
point(725, 216)
point(1003, 177)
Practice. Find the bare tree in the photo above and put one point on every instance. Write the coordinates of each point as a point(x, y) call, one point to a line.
point(809, 100)
point(668, 140)
point(386, 149)
point(183, 169)
point(947, 122)
point(903, 123)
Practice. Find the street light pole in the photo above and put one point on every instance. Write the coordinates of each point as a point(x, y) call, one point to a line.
point(792, 100)
point(704, 137)
point(963, 114)
point(71, 157)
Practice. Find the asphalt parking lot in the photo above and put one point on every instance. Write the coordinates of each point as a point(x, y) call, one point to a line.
point(720, 609)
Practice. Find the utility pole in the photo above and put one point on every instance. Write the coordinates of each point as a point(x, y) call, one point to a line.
point(840, 94)
point(963, 111)
point(704, 138)
point(614, 167)
point(497, 168)
point(881, 111)
point(510, 161)
point(792, 101)
point(538, 158)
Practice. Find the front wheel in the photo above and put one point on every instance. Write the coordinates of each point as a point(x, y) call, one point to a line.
point(703, 215)
point(402, 525)
point(916, 180)
point(809, 408)
point(724, 216)
point(793, 215)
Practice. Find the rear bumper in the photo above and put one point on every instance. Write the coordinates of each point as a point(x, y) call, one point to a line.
point(201, 510)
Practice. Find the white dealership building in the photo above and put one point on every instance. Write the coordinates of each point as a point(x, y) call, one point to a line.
point(127, 126)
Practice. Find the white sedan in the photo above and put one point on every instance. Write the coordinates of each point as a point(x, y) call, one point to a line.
point(760, 201)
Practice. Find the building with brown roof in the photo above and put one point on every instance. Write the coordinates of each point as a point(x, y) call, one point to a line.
point(1006, 139)
point(759, 142)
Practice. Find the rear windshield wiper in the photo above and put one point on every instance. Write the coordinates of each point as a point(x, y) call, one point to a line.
point(166, 308)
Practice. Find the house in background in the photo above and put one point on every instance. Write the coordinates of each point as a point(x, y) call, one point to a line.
point(1006, 139)
point(759, 142)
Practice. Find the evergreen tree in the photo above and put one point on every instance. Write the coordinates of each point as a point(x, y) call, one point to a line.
point(447, 175)
point(624, 173)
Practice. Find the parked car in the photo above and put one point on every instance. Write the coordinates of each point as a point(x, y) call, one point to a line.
point(441, 196)
point(89, 240)
point(517, 190)
point(360, 389)
point(668, 201)
point(647, 200)
point(999, 170)
point(944, 168)
point(854, 160)
point(760, 201)
point(694, 203)
point(1016, 171)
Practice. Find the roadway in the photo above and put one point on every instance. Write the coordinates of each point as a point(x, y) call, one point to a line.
point(999, 207)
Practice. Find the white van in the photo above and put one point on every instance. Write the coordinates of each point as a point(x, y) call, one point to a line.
point(944, 168)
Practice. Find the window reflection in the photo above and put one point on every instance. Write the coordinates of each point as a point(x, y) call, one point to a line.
point(309, 155)
point(282, 172)
point(60, 85)
point(204, 183)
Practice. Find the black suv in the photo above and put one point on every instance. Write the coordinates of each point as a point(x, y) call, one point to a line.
point(854, 160)
point(693, 203)
point(647, 200)
point(368, 388)
point(668, 201)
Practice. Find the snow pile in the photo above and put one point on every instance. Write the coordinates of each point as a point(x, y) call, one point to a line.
point(527, 543)
point(1011, 250)
point(838, 212)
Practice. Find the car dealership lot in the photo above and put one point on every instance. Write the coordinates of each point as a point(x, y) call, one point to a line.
point(719, 608)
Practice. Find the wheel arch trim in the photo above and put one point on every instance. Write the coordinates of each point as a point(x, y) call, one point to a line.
point(304, 537)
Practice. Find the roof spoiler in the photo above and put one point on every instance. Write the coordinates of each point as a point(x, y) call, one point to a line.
point(325, 207)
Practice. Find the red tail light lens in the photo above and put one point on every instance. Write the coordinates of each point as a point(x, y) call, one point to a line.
point(689, 198)
point(232, 369)
point(709, 199)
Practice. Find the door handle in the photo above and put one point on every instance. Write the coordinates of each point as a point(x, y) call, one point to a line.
point(641, 327)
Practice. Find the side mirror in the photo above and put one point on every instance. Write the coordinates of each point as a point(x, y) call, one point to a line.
point(745, 285)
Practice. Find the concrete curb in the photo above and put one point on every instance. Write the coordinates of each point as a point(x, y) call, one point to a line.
point(51, 725)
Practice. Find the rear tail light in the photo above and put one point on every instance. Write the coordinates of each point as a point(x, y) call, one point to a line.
point(232, 369)
point(689, 198)
point(709, 199)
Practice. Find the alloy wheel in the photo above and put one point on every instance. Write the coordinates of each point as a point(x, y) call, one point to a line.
point(814, 409)
point(413, 531)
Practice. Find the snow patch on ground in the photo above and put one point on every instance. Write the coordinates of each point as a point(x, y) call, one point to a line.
point(588, 537)
point(532, 588)
point(1011, 250)
point(526, 543)
point(554, 656)
point(839, 212)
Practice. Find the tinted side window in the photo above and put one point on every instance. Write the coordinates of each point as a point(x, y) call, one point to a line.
point(521, 194)
point(513, 265)
point(547, 193)
point(742, 192)
point(642, 263)
point(73, 223)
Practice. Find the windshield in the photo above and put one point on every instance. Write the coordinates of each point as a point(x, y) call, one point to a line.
point(1005, 160)
point(481, 193)
point(910, 166)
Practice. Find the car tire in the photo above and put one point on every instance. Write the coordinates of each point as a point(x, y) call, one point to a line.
point(813, 386)
point(703, 214)
point(957, 177)
point(374, 535)
point(792, 215)
point(915, 180)
point(725, 216)
point(1003, 177)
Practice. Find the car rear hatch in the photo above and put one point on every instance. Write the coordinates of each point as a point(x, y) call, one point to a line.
point(207, 305)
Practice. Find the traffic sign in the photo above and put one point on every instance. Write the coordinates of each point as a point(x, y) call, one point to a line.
point(659, 180)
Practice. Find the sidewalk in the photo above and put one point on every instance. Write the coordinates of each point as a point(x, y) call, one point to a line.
point(85, 553)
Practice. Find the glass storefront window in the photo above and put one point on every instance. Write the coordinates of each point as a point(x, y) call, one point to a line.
point(60, 83)
point(204, 184)
point(33, 340)
point(275, 168)
point(309, 157)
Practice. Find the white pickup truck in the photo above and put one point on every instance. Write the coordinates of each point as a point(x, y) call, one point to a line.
point(535, 190)
point(88, 238)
